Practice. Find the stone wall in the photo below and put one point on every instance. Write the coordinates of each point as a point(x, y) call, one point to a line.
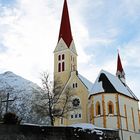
point(32, 132)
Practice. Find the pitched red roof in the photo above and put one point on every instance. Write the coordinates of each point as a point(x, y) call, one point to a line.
point(119, 64)
point(65, 28)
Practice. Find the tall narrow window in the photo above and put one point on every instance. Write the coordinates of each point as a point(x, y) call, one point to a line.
point(98, 109)
point(71, 116)
point(63, 56)
point(63, 66)
point(59, 57)
point(59, 67)
point(110, 108)
point(61, 121)
point(73, 85)
point(133, 119)
point(80, 115)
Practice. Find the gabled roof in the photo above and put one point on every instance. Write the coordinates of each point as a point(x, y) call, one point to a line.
point(108, 83)
point(86, 82)
point(65, 28)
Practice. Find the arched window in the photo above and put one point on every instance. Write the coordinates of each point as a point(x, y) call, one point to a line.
point(59, 57)
point(63, 56)
point(110, 107)
point(63, 66)
point(59, 67)
point(98, 109)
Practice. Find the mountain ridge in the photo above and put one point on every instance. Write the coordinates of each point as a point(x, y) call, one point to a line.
point(23, 91)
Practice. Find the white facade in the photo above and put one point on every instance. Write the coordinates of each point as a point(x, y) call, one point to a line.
point(114, 110)
point(125, 115)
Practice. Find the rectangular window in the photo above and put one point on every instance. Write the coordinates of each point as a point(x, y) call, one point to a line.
point(76, 116)
point(79, 115)
point(61, 120)
point(73, 85)
point(71, 116)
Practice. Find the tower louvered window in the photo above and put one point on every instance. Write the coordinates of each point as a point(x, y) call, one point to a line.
point(63, 56)
point(63, 66)
point(61, 63)
point(59, 67)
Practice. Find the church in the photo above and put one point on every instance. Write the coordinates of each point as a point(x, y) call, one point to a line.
point(106, 103)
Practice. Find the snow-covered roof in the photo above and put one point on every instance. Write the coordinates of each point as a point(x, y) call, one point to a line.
point(88, 84)
point(108, 83)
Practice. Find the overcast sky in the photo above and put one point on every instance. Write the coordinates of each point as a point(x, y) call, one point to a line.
point(29, 33)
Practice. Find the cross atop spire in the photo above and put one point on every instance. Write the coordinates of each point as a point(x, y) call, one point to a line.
point(120, 72)
point(65, 28)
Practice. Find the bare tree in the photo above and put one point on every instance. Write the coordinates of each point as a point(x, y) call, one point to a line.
point(54, 100)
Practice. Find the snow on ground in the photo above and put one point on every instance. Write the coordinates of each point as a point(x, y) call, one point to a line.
point(85, 126)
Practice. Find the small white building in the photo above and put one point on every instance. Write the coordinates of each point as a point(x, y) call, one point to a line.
point(114, 105)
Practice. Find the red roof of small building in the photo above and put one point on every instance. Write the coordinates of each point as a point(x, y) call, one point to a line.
point(65, 28)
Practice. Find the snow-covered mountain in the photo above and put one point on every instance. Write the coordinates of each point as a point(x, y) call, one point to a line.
point(23, 91)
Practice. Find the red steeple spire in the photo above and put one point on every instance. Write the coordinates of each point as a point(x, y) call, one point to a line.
point(65, 28)
point(119, 64)
point(120, 72)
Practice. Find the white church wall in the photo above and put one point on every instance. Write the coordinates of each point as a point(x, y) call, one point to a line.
point(98, 118)
point(99, 121)
point(128, 135)
point(111, 119)
point(98, 98)
point(128, 123)
point(123, 123)
point(111, 122)
point(110, 97)
point(130, 104)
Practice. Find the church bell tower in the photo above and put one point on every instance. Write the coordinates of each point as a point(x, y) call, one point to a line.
point(65, 55)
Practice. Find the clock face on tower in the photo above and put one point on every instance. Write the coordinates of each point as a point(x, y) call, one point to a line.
point(76, 102)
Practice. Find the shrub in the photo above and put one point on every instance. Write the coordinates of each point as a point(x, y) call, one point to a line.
point(11, 118)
